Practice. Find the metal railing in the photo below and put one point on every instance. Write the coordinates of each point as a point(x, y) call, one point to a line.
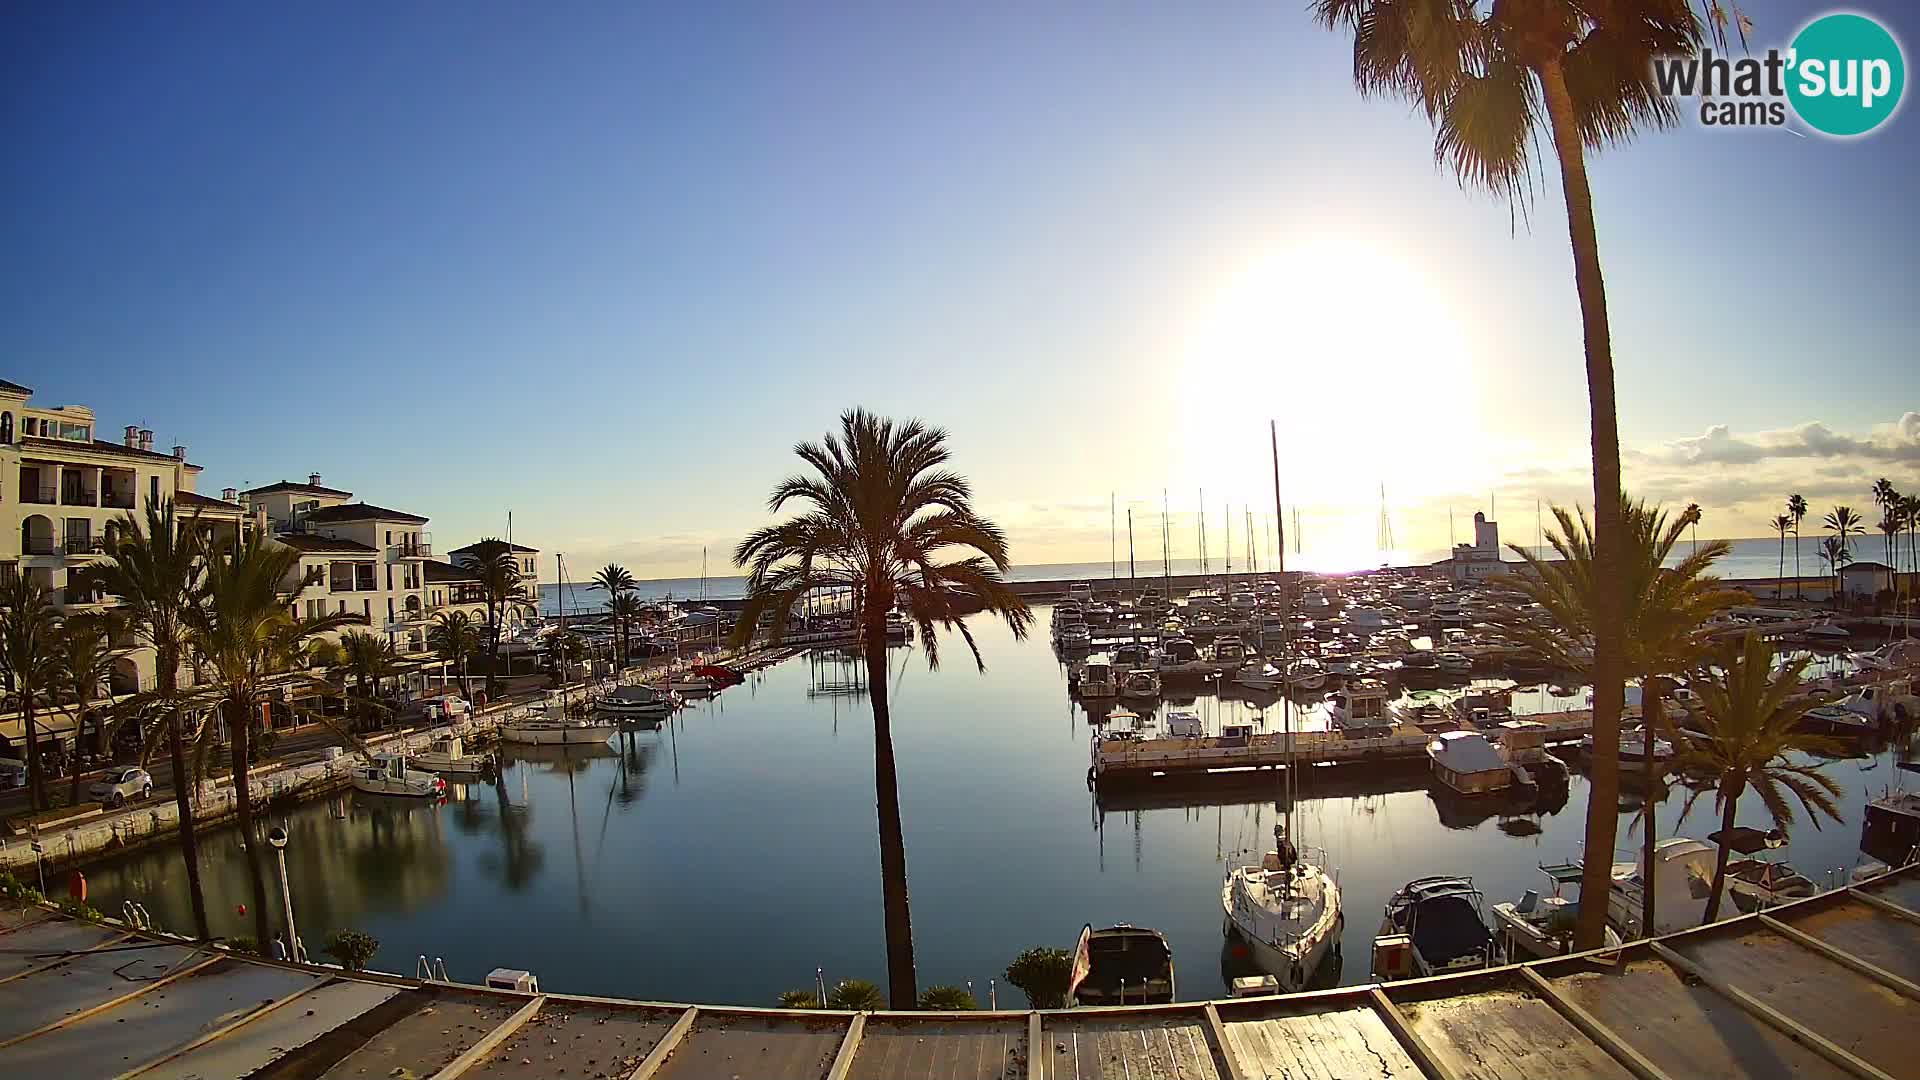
point(79, 497)
point(43, 495)
point(84, 545)
point(417, 549)
point(117, 500)
point(38, 545)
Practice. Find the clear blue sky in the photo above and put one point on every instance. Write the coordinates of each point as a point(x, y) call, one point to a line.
point(603, 263)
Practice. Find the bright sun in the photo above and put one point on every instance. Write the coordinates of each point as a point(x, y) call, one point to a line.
point(1358, 359)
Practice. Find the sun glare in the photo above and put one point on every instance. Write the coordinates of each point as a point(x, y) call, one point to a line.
point(1359, 360)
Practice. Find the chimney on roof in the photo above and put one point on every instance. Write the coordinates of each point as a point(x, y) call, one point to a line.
point(133, 435)
point(229, 494)
point(179, 452)
point(313, 479)
point(146, 439)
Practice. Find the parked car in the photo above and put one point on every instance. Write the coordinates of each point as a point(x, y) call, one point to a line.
point(120, 786)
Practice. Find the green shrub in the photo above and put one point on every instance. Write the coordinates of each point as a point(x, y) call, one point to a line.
point(799, 999)
point(1042, 974)
point(948, 999)
point(353, 949)
point(243, 945)
point(80, 910)
point(856, 994)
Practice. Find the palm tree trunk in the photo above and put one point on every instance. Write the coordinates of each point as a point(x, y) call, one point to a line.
point(35, 769)
point(239, 737)
point(1653, 705)
point(901, 988)
point(1783, 566)
point(1609, 636)
point(1720, 861)
point(1796, 560)
point(183, 785)
point(79, 726)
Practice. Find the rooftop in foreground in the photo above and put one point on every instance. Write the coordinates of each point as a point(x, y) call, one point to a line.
point(1824, 987)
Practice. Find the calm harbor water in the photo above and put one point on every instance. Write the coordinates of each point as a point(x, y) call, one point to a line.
point(727, 856)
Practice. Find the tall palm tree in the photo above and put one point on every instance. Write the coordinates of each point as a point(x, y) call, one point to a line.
point(1750, 715)
point(1890, 525)
point(618, 583)
point(492, 562)
point(1887, 498)
point(1781, 523)
point(453, 636)
point(247, 637)
point(626, 610)
point(1797, 509)
point(1844, 524)
point(1667, 614)
point(1910, 513)
point(883, 518)
point(29, 643)
point(1691, 516)
point(157, 572)
point(83, 663)
point(1489, 80)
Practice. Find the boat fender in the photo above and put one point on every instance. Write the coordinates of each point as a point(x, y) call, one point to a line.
point(1089, 778)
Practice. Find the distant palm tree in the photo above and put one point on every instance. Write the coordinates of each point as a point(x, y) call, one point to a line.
point(1781, 523)
point(1750, 715)
point(626, 610)
point(83, 663)
point(493, 563)
point(1691, 516)
point(885, 520)
point(1489, 78)
point(618, 583)
point(1834, 553)
point(369, 659)
point(1910, 513)
point(29, 646)
point(453, 636)
point(1797, 509)
point(1890, 525)
point(1844, 524)
point(1887, 498)
point(156, 570)
point(1668, 614)
point(247, 636)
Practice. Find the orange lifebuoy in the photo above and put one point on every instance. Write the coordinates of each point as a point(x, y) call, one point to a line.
point(77, 886)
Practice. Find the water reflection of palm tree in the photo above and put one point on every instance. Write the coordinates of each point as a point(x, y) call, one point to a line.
point(520, 858)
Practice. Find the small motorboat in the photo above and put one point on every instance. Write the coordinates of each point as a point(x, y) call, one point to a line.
point(1185, 722)
point(1306, 674)
point(387, 774)
point(1140, 683)
point(1537, 926)
point(1264, 677)
point(1359, 710)
point(1121, 965)
point(690, 685)
point(1836, 720)
point(721, 674)
point(637, 702)
point(1756, 883)
point(1229, 651)
point(1432, 926)
point(1454, 663)
point(1095, 678)
point(448, 757)
point(1633, 751)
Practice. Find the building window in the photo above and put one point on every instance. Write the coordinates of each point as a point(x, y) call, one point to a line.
point(153, 491)
point(366, 609)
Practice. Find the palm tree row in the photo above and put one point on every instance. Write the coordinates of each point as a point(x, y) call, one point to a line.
point(1899, 516)
point(226, 616)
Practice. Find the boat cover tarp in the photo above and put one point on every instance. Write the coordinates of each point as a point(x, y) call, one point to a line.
point(1446, 928)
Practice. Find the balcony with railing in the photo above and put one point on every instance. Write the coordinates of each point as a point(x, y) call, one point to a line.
point(40, 494)
point(421, 548)
point(117, 498)
point(84, 547)
point(73, 493)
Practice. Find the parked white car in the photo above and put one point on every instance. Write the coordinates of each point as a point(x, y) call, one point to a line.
point(121, 786)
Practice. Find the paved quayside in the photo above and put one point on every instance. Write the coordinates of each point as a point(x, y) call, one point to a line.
point(1825, 987)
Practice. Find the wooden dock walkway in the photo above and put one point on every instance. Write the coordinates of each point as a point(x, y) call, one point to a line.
point(1826, 987)
point(1123, 759)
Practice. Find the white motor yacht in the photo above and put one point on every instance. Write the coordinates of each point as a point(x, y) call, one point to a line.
point(1140, 683)
point(1096, 677)
point(1467, 763)
point(1359, 710)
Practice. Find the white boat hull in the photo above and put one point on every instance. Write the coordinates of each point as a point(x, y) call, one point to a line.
point(460, 766)
point(412, 789)
point(569, 735)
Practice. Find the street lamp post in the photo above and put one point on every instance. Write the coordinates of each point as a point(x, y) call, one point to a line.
point(278, 838)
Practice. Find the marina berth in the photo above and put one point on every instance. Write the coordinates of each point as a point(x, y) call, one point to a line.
point(1121, 965)
point(1433, 926)
point(1535, 926)
point(552, 727)
point(1286, 911)
point(388, 774)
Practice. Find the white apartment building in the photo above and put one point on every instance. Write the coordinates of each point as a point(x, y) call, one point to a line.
point(364, 561)
point(63, 491)
point(451, 586)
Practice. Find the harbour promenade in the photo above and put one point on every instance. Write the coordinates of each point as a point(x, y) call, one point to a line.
point(1826, 987)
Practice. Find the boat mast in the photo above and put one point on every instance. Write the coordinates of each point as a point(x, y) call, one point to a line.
point(1229, 516)
point(1113, 524)
point(1283, 832)
point(1129, 548)
point(1201, 526)
point(1166, 544)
